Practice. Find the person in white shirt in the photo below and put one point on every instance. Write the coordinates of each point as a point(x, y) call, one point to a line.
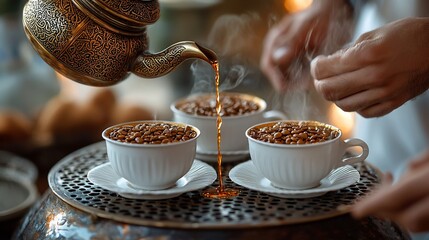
point(383, 75)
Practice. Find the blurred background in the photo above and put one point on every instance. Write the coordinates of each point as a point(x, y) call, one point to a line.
point(42, 112)
point(44, 116)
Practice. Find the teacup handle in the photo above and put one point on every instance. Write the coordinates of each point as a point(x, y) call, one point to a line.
point(354, 142)
point(274, 115)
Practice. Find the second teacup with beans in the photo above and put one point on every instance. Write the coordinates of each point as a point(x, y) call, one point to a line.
point(299, 154)
point(239, 111)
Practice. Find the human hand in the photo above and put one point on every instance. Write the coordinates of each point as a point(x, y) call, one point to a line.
point(406, 202)
point(383, 69)
point(305, 31)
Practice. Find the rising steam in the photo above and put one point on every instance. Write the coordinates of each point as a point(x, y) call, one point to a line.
point(234, 40)
point(300, 101)
point(203, 77)
point(237, 40)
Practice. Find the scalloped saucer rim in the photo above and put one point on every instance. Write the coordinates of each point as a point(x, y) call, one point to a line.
point(246, 175)
point(199, 176)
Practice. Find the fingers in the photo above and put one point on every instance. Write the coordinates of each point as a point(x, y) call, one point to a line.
point(371, 103)
point(276, 77)
point(282, 55)
point(341, 86)
point(379, 203)
point(367, 102)
point(355, 92)
point(393, 201)
point(378, 110)
point(283, 44)
point(275, 53)
point(415, 217)
point(387, 179)
point(285, 41)
point(420, 161)
point(346, 60)
point(369, 204)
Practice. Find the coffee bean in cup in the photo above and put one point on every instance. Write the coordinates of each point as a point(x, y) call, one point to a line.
point(232, 105)
point(152, 133)
point(293, 133)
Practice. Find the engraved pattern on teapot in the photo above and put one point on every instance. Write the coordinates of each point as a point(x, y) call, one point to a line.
point(101, 59)
point(159, 63)
point(55, 38)
point(128, 8)
point(81, 44)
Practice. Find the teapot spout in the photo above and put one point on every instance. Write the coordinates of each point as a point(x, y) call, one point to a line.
point(155, 65)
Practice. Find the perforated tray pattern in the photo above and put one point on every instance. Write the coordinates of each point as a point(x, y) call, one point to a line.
point(68, 180)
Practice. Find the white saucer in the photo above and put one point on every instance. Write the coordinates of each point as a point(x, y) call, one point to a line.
point(227, 156)
point(199, 176)
point(246, 175)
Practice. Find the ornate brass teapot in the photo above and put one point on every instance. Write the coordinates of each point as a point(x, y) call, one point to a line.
point(99, 42)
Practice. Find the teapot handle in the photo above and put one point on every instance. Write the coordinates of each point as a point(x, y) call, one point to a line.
point(155, 65)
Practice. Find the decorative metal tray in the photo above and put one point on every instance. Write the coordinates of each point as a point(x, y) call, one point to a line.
point(68, 180)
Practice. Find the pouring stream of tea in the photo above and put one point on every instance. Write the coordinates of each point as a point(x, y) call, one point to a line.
point(220, 192)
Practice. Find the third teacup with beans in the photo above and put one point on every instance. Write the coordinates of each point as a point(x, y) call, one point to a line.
point(239, 111)
point(298, 154)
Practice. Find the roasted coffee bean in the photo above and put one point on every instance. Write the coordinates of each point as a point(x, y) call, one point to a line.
point(152, 133)
point(231, 106)
point(293, 133)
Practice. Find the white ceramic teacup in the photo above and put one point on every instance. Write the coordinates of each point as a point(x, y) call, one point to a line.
point(151, 166)
point(302, 166)
point(233, 127)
